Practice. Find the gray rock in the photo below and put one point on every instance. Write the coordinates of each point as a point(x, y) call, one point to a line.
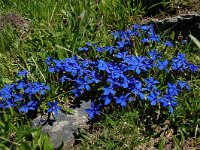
point(63, 126)
point(185, 24)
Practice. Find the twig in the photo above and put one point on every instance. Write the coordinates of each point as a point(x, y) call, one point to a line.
point(9, 141)
point(196, 130)
point(67, 50)
point(53, 12)
point(39, 69)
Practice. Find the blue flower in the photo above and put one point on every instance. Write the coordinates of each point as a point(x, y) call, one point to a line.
point(153, 97)
point(84, 83)
point(168, 43)
point(172, 89)
point(179, 62)
point(136, 63)
point(53, 107)
point(162, 65)
point(21, 84)
point(17, 97)
point(124, 82)
point(109, 90)
point(83, 49)
point(193, 68)
point(6, 91)
point(122, 99)
point(154, 38)
point(137, 89)
point(115, 34)
point(89, 44)
point(121, 44)
point(153, 54)
point(117, 73)
point(110, 49)
point(48, 60)
point(23, 73)
point(9, 103)
point(147, 27)
point(64, 78)
point(121, 54)
point(102, 65)
point(99, 49)
point(144, 40)
point(94, 110)
point(36, 88)
point(107, 99)
point(31, 105)
point(150, 82)
point(183, 84)
point(77, 92)
point(168, 100)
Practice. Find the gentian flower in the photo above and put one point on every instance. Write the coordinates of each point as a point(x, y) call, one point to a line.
point(168, 43)
point(23, 73)
point(77, 92)
point(153, 55)
point(99, 49)
point(137, 64)
point(109, 90)
point(137, 90)
point(7, 91)
point(21, 84)
point(84, 83)
point(121, 44)
point(153, 97)
point(102, 65)
point(64, 78)
point(121, 54)
point(94, 110)
point(107, 99)
point(110, 49)
point(53, 107)
point(179, 62)
point(183, 84)
point(150, 82)
point(162, 65)
point(9, 103)
point(193, 68)
point(168, 100)
point(144, 40)
point(172, 89)
point(31, 105)
point(122, 99)
point(154, 38)
point(83, 49)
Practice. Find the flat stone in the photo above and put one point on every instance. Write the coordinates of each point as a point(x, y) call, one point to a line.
point(185, 24)
point(63, 126)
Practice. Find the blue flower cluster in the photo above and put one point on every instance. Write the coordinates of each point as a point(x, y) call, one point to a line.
point(110, 75)
point(117, 77)
point(23, 95)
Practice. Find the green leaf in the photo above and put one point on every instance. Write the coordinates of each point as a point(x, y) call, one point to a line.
point(25, 146)
point(2, 146)
point(6, 80)
point(195, 40)
point(2, 124)
point(162, 143)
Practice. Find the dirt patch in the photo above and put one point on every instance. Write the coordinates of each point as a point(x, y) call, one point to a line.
point(15, 20)
point(191, 5)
